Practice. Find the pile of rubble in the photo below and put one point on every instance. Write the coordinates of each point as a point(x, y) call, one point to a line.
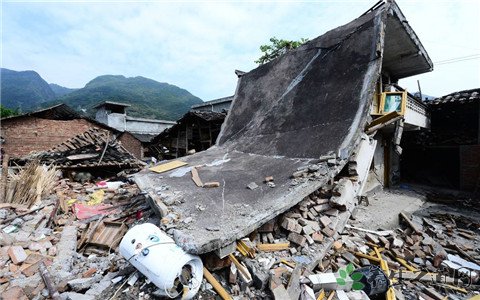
point(95, 148)
point(65, 246)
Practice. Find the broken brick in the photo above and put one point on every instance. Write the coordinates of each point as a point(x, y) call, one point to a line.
point(17, 254)
point(89, 273)
point(297, 238)
point(322, 207)
point(337, 245)
point(325, 221)
point(328, 231)
point(29, 269)
point(372, 238)
point(310, 240)
point(289, 224)
point(385, 243)
point(267, 227)
point(308, 230)
point(15, 292)
point(317, 237)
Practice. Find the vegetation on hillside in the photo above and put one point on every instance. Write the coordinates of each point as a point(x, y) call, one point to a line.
point(148, 98)
point(24, 90)
point(6, 112)
point(60, 90)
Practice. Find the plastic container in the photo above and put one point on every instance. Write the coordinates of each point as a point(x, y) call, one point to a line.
point(374, 280)
point(165, 264)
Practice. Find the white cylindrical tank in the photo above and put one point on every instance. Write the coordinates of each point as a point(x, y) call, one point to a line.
point(164, 263)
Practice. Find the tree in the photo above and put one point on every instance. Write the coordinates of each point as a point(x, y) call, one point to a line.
point(6, 112)
point(277, 48)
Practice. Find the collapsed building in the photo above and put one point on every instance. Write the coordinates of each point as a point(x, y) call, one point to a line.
point(308, 108)
point(43, 129)
point(196, 131)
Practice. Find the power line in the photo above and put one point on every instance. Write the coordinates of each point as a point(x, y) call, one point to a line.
point(457, 59)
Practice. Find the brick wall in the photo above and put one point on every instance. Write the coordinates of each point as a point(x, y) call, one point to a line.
point(26, 134)
point(469, 166)
point(132, 144)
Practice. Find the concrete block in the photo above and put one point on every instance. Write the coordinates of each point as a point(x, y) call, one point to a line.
point(17, 254)
point(310, 240)
point(313, 212)
point(307, 230)
point(260, 276)
point(82, 284)
point(225, 251)
point(75, 296)
point(322, 207)
point(328, 282)
point(343, 193)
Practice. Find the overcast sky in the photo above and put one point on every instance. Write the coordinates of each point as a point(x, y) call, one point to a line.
point(198, 45)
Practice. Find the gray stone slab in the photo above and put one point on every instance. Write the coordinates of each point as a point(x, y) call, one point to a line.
point(285, 115)
point(230, 211)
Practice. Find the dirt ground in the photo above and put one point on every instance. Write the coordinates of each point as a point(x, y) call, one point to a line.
point(383, 207)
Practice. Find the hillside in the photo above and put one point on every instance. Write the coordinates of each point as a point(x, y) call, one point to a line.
point(148, 98)
point(24, 89)
point(60, 90)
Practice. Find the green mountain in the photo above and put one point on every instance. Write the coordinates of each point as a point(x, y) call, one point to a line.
point(24, 90)
point(148, 98)
point(60, 90)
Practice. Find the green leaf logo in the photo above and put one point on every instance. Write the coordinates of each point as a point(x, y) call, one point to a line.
point(357, 286)
point(356, 277)
point(350, 268)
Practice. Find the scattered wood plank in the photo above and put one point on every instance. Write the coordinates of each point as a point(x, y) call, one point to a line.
point(216, 285)
point(273, 247)
point(410, 223)
point(168, 166)
point(212, 184)
point(196, 177)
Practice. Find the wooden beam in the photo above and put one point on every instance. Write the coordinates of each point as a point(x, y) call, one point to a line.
point(383, 119)
point(216, 285)
point(273, 247)
point(3, 182)
point(372, 129)
point(410, 223)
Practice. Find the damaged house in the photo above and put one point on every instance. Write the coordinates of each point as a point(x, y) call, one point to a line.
point(44, 129)
point(59, 135)
point(449, 154)
point(196, 131)
point(136, 133)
